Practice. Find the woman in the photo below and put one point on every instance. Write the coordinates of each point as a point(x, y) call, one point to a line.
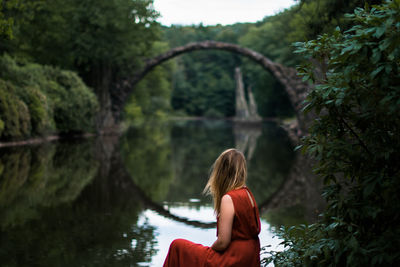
point(238, 221)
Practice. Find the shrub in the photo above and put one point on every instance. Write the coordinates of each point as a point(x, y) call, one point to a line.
point(356, 140)
point(54, 100)
point(14, 114)
point(74, 104)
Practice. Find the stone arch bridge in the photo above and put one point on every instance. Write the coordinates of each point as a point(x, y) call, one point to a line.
point(293, 85)
point(297, 186)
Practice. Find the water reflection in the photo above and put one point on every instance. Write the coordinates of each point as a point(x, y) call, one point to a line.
point(54, 213)
point(167, 230)
point(36, 177)
point(146, 156)
point(106, 201)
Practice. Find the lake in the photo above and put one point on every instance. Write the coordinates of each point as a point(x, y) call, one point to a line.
point(121, 200)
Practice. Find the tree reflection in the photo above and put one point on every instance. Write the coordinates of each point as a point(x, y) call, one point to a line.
point(35, 177)
point(270, 162)
point(287, 216)
point(81, 234)
point(54, 213)
point(146, 155)
point(195, 146)
point(80, 203)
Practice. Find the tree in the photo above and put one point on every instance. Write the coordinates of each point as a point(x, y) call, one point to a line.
point(356, 142)
point(151, 97)
point(103, 41)
point(13, 11)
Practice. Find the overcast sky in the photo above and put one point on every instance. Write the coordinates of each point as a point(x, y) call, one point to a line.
point(212, 12)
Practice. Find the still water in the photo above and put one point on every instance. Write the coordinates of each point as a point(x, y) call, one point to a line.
point(120, 201)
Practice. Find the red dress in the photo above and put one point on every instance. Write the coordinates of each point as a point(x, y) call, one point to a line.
point(244, 249)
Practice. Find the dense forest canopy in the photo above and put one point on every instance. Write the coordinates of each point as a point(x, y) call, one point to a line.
point(101, 41)
point(105, 42)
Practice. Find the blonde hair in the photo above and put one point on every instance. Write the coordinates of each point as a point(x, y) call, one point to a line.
point(228, 172)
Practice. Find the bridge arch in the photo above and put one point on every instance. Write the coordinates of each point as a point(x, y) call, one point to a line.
point(287, 76)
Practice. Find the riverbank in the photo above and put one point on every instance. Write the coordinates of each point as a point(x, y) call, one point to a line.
point(44, 139)
point(194, 118)
point(290, 125)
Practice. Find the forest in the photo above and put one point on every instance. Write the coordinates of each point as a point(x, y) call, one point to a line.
point(102, 49)
point(62, 62)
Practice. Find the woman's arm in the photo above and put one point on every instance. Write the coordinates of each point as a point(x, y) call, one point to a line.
point(227, 212)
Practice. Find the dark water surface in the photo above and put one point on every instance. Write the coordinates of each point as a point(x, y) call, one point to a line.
point(120, 201)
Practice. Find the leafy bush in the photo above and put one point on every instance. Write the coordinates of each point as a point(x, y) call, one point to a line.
point(14, 114)
point(356, 140)
point(74, 104)
point(47, 99)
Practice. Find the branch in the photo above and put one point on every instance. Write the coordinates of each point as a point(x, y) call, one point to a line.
point(354, 133)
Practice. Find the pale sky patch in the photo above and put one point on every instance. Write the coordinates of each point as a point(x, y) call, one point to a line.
point(212, 12)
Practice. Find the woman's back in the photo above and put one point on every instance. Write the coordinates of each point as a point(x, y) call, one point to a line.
point(244, 249)
point(246, 223)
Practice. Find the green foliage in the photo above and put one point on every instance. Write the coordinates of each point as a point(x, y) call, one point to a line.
point(39, 109)
point(203, 81)
point(1, 126)
point(15, 116)
point(39, 100)
point(273, 38)
point(314, 17)
point(356, 142)
point(6, 23)
point(83, 34)
point(103, 41)
point(150, 98)
point(270, 38)
point(73, 102)
point(9, 10)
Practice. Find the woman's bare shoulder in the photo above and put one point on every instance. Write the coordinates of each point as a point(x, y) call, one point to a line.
point(226, 198)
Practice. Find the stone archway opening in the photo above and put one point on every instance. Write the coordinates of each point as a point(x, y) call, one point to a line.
point(295, 88)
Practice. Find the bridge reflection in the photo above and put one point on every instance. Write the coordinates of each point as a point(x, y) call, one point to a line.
point(298, 186)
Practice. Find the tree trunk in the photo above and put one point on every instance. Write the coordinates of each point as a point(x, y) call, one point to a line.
point(101, 81)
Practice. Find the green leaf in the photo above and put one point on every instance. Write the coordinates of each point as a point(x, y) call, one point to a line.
point(339, 101)
point(384, 44)
point(298, 147)
point(376, 71)
point(380, 31)
point(376, 56)
point(368, 189)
